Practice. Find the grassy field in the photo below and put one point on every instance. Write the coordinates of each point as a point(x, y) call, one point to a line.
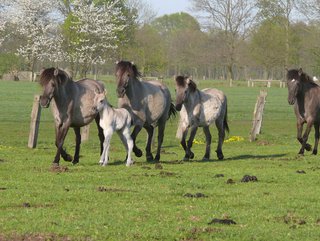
point(174, 200)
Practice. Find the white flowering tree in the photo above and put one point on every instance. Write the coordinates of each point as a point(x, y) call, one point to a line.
point(35, 23)
point(92, 31)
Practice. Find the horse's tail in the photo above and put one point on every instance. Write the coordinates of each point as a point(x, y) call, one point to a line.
point(225, 120)
point(172, 111)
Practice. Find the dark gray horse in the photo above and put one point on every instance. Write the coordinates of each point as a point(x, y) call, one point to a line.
point(73, 106)
point(149, 103)
point(200, 108)
point(304, 94)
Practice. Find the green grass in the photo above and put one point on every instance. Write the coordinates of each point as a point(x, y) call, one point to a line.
point(145, 202)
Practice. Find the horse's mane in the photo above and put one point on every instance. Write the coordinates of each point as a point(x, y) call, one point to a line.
point(48, 74)
point(305, 78)
point(181, 81)
point(126, 65)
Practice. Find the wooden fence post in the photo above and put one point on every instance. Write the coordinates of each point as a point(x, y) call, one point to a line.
point(257, 115)
point(35, 121)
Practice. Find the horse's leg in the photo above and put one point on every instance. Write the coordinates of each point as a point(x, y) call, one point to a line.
point(221, 133)
point(299, 135)
point(106, 145)
point(61, 133)
point(193, 132)
point(128, 143)
point(134, 134)
point(305, 137)
point(78, 142)
point(316, 139)
point(100, 132)
point(184, 143)
point(206, 131)
point(161, 128)
point(149, 155)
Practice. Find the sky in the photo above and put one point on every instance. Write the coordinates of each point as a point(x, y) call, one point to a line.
point(169, 6)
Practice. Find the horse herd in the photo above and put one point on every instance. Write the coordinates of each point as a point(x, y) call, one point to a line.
point(148, 104)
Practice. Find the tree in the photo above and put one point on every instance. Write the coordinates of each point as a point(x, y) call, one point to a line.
point(234, 18)
point(35, 24)
point(142, 11)
point(93, 30)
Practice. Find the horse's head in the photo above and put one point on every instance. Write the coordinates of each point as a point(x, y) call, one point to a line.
point(184, 86)
point(99, 101)
point(125, 71)
point(50, 79)
point(294, 80)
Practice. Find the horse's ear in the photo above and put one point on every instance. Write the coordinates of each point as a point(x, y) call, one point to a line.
point(300, 71)
point(56, 72)
point(117, 62)
point(132, 62)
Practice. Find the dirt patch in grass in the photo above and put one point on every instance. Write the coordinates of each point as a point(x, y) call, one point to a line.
point(107, 189)
point(39, 237)
point(196, 195)
point(59, 169)
point(2, 160)
point(3, 188)
point(291, 219)
point(218, 175)
point(248, 178)
point(301, 172)
point(167, 174)
point(196, 232)
point(222, 221)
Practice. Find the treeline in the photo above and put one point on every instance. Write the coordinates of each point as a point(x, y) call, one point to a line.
point(233, 39)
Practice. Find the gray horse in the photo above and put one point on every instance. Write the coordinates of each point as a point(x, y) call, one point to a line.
point(304, 94)
point(73, 106)
point(149, 103)
point(200, 108)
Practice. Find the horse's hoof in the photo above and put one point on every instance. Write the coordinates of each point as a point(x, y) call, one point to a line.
point(191, 155)
point(55, 164)
point(205, 158)
point(137, 152)
point(67, 158)
point(185, 159)
point(315, 152)
point(308, 147)
point(220, 155)
point(75, 162)
point(149, 158)
point(301, 152)
point(157, 158)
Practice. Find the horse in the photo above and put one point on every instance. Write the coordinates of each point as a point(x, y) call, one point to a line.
point(304, 95)
point(149, 103)
point(72, 107)
point(200, 108)
point(111, 120)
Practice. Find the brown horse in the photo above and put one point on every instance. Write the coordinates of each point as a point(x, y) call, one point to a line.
point(73, 106)
point(149, 103)
point(304, 94)
point(200, 108)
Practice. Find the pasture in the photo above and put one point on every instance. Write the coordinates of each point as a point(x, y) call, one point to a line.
point(173, 200)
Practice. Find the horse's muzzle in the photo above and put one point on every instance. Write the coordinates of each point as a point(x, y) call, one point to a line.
point(291, 101)
point(178, 107)
point(44, 102)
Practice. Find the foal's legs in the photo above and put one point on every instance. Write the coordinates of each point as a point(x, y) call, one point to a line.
point(106, 145)
point(100, 132)
point(305, 137)
point(78, 142)
point(149, 130)
point(206, 131)
point(316, 139)
point(128, 143)
point(134, 134)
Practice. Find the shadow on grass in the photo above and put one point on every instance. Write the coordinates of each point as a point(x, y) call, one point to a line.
point(234, 158)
